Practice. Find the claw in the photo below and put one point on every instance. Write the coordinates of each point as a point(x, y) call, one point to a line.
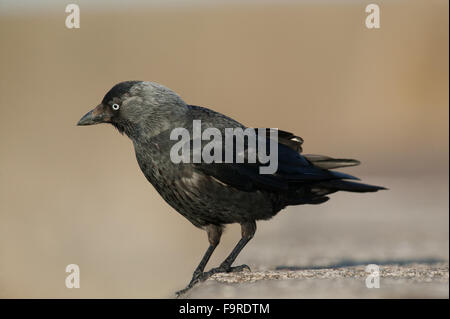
point(196, 278)
point(240, 268)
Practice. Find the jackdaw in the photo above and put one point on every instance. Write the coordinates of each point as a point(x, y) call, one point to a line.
point(211, 195)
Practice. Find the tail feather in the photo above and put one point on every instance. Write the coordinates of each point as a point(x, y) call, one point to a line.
point(327, 162)
point(343, 175)
point(340, 185)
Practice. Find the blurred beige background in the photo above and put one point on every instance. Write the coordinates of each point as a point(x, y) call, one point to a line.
point(76, 195)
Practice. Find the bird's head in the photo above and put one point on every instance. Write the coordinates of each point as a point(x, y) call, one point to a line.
point(137, 108)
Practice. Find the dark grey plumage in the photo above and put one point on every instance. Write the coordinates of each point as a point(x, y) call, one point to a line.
point(212, 195)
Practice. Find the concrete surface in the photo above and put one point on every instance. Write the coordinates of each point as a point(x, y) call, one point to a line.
point(425, 280)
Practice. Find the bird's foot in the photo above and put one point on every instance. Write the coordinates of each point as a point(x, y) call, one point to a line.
point(225, 269)
point(202, 276)
point(181, 292)
point(197, 277)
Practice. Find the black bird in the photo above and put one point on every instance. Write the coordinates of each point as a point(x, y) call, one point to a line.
point(212, 195)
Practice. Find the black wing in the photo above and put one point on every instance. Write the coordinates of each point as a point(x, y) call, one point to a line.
point(293, 168)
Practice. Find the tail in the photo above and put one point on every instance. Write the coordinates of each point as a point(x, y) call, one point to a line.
point(331, 186)
point(316, 194)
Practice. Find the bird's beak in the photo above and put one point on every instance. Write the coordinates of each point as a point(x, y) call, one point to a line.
point(98, 115)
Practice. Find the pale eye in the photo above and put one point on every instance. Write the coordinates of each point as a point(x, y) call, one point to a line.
point(115, 106)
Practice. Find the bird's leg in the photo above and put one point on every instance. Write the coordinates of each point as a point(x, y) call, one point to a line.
point(214, 233)
point(248, 231)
